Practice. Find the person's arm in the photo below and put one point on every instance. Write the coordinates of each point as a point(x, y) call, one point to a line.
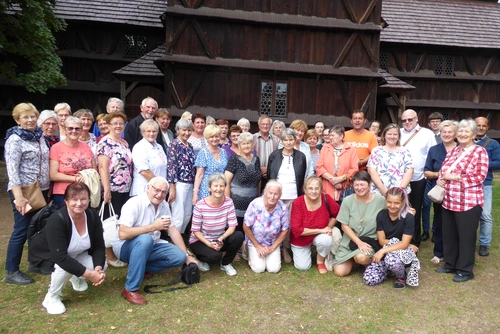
point(129, 232)
point(103, 162)
point(147, 174)
point(377, 181)
point(200, 172)
point(406, 178)
point(229, 177)
point(258, 247)
point(363, 246)
point(172, 165)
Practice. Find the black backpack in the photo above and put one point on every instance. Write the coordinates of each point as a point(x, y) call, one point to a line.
point(190, 275)
point(40, 218)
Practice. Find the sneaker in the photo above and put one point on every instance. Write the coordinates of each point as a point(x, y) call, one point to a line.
point(228, 268)
point(437, 260)
point(78, 283)
point(18, 277)
point(117, 263)
point(399, 284)
point(483, 251)
point(53, 304)
point(203, 266)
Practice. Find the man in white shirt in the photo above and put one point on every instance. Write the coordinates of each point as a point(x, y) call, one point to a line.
point(418, 141)
point(139, 244)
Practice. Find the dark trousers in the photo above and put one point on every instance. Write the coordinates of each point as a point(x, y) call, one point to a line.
point(459, 239)
point(437, 227)
point(231, 246)
point(117, 200)
point(416, 200)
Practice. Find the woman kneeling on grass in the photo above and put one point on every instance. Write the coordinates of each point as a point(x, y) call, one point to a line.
point(312, 223)
point(209, 236)
point(395, 226)
point(72, 242)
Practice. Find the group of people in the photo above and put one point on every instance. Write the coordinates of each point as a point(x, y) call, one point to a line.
point(214, 193)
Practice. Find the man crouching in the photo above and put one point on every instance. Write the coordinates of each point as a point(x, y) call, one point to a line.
point(142, 219)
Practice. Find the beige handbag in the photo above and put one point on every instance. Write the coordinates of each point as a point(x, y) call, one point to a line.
point(34, 195)
point(436, 194)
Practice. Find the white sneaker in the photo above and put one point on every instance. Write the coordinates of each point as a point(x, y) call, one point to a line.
point(117, 263)
point(53, 304)
point(203, 266)
point(228, 268)
point(78, 283)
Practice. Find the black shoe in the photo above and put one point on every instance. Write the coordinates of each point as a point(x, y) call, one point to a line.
point(483, 251)
point(41, 271)
point(443, 270)
point(433, 240)
point(399, 284)
point(459, 278)
point(425, 236)
point(18, 277)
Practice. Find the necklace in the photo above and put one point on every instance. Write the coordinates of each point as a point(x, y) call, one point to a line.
point(362, 220)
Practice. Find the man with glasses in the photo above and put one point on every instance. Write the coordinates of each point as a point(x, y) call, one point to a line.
point(493, 149)
point(418, 141)
point(149, 107)
point(265, 144)
point(435, 120)
point(363, 140)
point(139, 244)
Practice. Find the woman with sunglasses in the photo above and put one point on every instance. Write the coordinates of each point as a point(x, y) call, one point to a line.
point(67, 158)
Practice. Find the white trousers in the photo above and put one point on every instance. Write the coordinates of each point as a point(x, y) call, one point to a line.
point(60, 277)
point(271, 263)
point(182, 207)
point(302, 255)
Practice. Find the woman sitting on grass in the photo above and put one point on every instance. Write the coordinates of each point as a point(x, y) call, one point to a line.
point(395, 226)
point(312, 223)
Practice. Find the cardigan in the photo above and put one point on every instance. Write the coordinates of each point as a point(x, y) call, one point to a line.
point(299, 166)
point(50, 246)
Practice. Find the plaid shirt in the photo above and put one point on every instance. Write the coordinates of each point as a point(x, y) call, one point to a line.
point(463, 196)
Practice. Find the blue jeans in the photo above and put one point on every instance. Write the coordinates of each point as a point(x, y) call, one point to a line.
point(17, 238)
point(426, 208)
point(486, 220)
point(143, 256)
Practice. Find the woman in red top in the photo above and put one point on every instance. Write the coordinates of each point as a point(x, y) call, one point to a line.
point(312, 221)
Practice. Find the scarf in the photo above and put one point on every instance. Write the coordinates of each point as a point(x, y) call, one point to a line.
point(51, 140)
point(25, 135)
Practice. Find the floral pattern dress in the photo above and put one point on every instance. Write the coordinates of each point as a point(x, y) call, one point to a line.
point(206, 160)
point(120, 163)
point(391, 166)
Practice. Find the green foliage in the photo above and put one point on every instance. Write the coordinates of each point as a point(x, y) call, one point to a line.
point(27, 45)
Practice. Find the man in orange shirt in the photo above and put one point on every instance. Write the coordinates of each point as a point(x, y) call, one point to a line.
point(363, 140)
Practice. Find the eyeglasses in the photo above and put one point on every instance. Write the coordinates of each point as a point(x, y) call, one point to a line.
point(70, 129)
point(49, 124)
point(408, 120)
point(117, 124)
point(156, 190)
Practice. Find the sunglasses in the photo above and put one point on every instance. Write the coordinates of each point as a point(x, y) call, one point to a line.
point(408, 120)
point(70, 129)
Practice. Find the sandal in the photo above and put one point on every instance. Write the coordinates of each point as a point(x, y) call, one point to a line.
point(322, 268)
point(399, 284)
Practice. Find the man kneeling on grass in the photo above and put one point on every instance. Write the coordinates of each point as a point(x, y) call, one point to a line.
point(139, 244)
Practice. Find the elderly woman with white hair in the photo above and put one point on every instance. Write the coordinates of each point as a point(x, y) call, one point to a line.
point(148, 158)
point(243, 176)
point(214, 228)
point(48, 122)
point(63, 111)
point(462, 175)
point(114, 105)
point(244, 124)
point(277, 128)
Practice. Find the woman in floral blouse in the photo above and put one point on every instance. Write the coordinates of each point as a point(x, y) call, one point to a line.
point(115, 168)
point(180, 175)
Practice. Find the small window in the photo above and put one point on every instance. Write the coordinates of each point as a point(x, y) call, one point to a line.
point(135, 46)
point(384, 60)
point(273, 98)
point(443, 65)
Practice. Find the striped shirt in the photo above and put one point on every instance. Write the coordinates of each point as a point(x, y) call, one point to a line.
point(212, 221)
point(473, 168)
point(263, 148)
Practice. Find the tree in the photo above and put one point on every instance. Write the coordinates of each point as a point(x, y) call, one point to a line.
point(27, 45)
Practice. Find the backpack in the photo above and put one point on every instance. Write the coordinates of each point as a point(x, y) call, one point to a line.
point(190, 275)
point(40, 218)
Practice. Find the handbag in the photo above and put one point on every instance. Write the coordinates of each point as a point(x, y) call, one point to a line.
point(109, 224)
point(190, 274)
point(34, 195)
point(436, 194)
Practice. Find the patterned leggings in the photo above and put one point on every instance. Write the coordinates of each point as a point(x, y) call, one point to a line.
point(376, 273)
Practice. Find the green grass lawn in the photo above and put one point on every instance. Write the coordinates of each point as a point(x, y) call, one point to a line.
point(290, 301)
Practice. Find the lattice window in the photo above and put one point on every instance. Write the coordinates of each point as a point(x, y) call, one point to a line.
point(443, 65)
point(273, 98)
point(384, 60)
point(135, 46)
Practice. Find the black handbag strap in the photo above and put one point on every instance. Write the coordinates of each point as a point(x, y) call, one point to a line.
point(327, 205)
point(163, 288)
